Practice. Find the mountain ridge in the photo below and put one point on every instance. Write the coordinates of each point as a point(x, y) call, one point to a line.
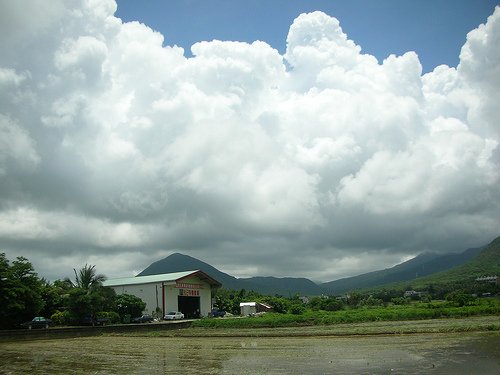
point(178, 262)
point(419, 267)
point(486, 263)
point(422, 265)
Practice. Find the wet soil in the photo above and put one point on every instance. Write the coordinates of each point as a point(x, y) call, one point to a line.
point(454, 353)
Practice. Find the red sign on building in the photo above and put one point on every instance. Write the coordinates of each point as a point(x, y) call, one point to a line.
point(189, 292)
point(188, 286)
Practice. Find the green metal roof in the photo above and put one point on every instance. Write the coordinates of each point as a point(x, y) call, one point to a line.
point(164, 277)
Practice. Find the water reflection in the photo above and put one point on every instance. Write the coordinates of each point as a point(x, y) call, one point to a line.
point(409, 354)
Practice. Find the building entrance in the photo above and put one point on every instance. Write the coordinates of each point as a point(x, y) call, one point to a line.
point(189, 306)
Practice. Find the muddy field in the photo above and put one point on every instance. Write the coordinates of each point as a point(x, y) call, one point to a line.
point(456, 353)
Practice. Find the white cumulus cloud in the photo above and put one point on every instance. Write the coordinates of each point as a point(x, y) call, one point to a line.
point(113, 143)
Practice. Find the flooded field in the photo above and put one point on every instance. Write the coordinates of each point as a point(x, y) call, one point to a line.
point(477, 353)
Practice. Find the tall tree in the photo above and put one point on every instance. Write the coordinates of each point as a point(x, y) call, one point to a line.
point(129, 304)
point(20, 291)
point(53, 296)
point(87, 296)
point(87, 278)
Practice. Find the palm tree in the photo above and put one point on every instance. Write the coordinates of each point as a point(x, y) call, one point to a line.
point(86, 278)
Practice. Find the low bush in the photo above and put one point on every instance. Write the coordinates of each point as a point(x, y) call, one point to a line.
point(112, 316)
point(296, 309)
point(60, 318)
point(416, 311)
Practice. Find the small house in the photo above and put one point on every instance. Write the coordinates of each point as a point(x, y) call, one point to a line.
point(412, 293)
point(488, 279)
point(251, 308)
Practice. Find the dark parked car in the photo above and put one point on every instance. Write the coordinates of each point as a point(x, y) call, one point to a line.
point(216, 313)
point(38, 322)
point(143, 319)
point(89, 320)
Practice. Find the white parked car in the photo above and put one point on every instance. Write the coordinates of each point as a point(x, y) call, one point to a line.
point(174, 315)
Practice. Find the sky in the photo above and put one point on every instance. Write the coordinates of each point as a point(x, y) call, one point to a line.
point(434, 29)
point(318, 139)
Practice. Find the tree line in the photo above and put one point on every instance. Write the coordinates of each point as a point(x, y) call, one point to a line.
point(456, 294)
point(24, 295)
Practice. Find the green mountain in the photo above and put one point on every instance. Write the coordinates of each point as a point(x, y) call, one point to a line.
point(422, 265)
point(179, 262)
point(487, 263)
point(264, 285)
point(424, 270)
point(286, 286)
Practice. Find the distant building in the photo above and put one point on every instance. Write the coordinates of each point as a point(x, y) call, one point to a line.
point(304, 299)
point(488, 279)
point(250, 308)
point(189, 292)
point(412, 293)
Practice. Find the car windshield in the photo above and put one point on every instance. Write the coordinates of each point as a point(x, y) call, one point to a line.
point(172, 313)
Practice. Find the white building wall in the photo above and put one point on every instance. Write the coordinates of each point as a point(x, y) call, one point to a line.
point(149, 293)
point(171, 302)
point(248, 309)
point(205, 301)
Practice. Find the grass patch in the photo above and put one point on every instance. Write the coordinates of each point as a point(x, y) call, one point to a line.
point(420, 311)
point(446, 325)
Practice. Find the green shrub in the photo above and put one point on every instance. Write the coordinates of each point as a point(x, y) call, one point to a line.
point(128, 304)
point(372, 301)
point(326, 304)
point(296, 309)
point(460, 298)
point(112, 316)
point(60, 317)
point(400, 301)
point(414, 311)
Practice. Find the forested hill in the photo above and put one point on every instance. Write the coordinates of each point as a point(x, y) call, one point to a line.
point(422, 265)
point(471, 264)
point(487, 263)
point(264, 285)
point(286, 286)
point(180, 262)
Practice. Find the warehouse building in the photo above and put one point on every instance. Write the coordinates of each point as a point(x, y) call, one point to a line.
point(189, 292)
